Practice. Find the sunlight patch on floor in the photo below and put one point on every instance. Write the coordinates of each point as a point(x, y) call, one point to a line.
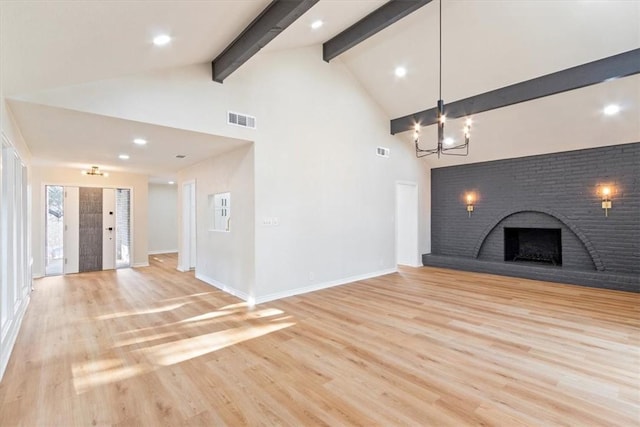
point(91, 374)
point(139, 340)
point(162, 309)
point(267, 312)
point(207, 316)
point(236, 306)
point(192, 297)
point(179, 351)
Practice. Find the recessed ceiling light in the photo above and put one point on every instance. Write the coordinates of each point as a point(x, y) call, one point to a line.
point(612, 109)
point(139, 141)
point(401, 71)
point(448, 142)
point(171, 182)
point(123, 156)
point(161, 40)
point(317, 24)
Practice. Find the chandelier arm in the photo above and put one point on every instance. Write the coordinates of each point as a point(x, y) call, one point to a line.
point(425, 153)
point(444, 153)
point(454, 154)
point(457, 147)
point(430, 151)
point(420, 152)
point(424, 150)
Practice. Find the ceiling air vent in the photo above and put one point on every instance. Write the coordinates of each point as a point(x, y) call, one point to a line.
point(382, 151)
point(242, 120)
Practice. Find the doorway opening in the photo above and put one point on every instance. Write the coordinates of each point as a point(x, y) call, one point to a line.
point(54, 230)
point(407, 224)
point(188, 250)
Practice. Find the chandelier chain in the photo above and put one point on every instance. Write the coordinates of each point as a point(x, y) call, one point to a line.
point(440, 50)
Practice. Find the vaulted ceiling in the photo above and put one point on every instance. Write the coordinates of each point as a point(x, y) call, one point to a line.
point(486, 45)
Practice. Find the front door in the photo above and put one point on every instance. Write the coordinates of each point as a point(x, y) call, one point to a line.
point(91, 233)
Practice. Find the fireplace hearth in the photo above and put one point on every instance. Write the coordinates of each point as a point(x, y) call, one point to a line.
point(533, 245)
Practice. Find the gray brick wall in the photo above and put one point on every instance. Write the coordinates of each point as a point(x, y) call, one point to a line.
point(555, 190)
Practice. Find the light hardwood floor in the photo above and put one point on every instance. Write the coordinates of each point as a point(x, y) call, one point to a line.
point(153, 346)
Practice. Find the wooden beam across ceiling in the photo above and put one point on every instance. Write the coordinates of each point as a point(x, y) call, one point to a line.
point(271, 22)
point(612, 67)
point(374, 22)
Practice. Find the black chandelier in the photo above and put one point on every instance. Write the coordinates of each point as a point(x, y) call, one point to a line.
point(445, 145)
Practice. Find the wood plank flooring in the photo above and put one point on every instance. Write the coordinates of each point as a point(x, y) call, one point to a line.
point(152, 346)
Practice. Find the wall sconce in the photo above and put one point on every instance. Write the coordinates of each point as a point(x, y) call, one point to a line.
point(605, 191)
point(470, 199)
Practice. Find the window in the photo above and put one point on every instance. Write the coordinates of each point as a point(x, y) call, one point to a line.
point(220, 211)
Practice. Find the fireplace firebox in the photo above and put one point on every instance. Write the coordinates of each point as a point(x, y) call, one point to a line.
point(537, 245)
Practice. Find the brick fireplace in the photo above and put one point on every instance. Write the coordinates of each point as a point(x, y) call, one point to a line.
point(551, 201)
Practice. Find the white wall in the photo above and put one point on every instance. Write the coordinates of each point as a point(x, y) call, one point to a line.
point(46, 175)
point(225, 259)
point(316, 170)
point(15, 250)
point(324, 202)
point(163, 218)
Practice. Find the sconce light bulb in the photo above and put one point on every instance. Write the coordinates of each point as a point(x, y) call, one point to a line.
point(469, 198)
point(606, 191)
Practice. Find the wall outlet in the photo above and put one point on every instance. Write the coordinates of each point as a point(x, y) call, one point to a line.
point(270, 221)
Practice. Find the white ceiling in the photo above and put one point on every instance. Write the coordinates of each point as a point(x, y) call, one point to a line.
point(104, 39)
point(486, 45)
point(67, 138)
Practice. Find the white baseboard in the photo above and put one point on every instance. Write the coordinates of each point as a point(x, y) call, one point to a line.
point(319, 286)
point(166, 251)
point(228, 289)
point(411, 265)
point(10, 338)
point(292, 292)
point(140, 264)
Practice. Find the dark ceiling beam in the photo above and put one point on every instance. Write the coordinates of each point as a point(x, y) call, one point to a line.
point(612, 67)
point(377, 20)
point(271, 22)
